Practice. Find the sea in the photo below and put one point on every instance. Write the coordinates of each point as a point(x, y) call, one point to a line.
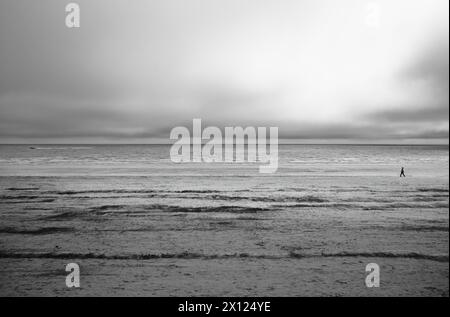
point(138, 224)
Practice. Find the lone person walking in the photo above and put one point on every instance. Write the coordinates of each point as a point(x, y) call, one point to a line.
point(402, 172)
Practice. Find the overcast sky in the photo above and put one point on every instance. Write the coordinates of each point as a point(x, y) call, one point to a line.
point(376, 71)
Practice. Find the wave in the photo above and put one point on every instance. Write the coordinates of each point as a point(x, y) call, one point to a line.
point(289, 199)
point(133, 191)
point(424, 228)
point(196, 191)
point(61, 148)
point(419, 228)
point(436, 190)
point(214, 195)
point(146, 209)
point(410, 255)
point(67, 215)
point(201, 256)
point(180, 209)
point(22, 188)
point(39, 231)
point(93, 213)
point(104, 191)
point(431, 198)
point(21, 200)
point(183, 255)
point(292, 189)
point(314, 205)
point(23, 197)
point(436, 205)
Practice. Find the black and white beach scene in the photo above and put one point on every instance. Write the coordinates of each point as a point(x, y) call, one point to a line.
point(252, 148)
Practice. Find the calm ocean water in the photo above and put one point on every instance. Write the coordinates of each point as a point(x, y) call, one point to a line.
point(139, 224)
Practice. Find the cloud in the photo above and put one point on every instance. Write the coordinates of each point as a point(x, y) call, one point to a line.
point(136, 70)
point(436, 114)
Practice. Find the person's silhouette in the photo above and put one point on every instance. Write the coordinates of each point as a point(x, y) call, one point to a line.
point(402, 172)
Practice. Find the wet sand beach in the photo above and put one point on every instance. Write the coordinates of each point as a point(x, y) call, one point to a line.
point(138, 224)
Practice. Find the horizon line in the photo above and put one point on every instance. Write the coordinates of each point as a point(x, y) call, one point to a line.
point(170, 144)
